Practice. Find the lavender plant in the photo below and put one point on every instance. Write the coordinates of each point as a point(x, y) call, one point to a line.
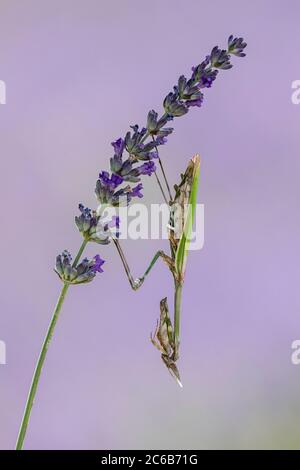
point(120, 187)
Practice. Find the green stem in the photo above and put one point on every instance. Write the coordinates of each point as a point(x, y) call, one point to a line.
point(38, 370)
point(81, 249)
point(177, 308)
point(42, 357)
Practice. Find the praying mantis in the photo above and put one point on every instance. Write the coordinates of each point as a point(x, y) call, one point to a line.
point(166, 337)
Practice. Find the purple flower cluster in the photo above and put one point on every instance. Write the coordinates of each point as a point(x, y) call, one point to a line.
point(141, 144)
point(127, 170)
point(108, 190)
point(156, 127)
point(82, 273)
point(134, 144)
point(93, 227)
point(186, 94)
point(97, 263)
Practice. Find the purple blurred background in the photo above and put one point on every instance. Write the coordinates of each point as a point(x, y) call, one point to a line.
point(78, 73)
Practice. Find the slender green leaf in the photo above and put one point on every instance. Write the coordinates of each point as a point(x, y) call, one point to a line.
point(184, 242)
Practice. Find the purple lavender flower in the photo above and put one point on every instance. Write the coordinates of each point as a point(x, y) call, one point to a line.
point(133, 140)
point(135, 146)
point(106, 185)
point(236, 46)
point(203, 75)
point(146, 169)
point(188, 91)
point(86, 220)
point(128, 172)
point(118, 146)
point(90, 226)
point(186, 94)
point(173, 106)
point(116, 162)
point(155, 126)
point(110, 182)
point(125, 195)
point(161, 140)
point(82, 273)
point(133, 174)
point(106, 194)
point(136, 191)
point(195, 100)
point(98, 262)
point(220, 59)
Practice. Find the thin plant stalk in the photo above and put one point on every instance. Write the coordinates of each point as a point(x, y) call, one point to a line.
point(177, 310)
point(163, 172)
point(161, 188)
point(42, 357)
point(80, 251)
point(165, 177)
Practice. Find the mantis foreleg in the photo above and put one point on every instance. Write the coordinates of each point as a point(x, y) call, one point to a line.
point(137, 283)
